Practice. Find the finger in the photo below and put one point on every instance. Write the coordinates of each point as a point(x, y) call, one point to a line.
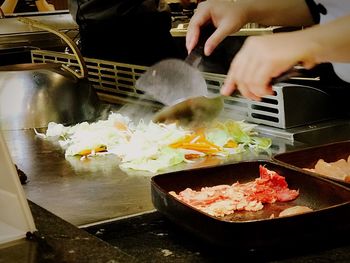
point(243, 72)
point(239, 67)
point(234, 75)
point(216, 38)
point(260, 91)
point(251, 96)
point(200, 18)
point(245, 92)
point(239, 77)
point(259, 83)
point(192, 36)
point(228, 88)
point(308, 64)
point(229, 85)
point(253, 72)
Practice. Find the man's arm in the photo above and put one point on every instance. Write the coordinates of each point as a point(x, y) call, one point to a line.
point(333, 40)
point(229, 17)
point(278, 13)
point(264, 57)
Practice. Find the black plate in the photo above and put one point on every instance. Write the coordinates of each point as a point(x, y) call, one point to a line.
point(307, 158)
point(330, 202)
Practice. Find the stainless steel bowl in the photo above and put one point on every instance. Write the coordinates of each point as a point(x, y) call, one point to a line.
point(32, 95)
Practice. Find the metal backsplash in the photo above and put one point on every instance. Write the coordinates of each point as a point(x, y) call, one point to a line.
point(115, 83)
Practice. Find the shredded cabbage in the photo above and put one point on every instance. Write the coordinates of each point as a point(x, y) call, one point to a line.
point(154, 146)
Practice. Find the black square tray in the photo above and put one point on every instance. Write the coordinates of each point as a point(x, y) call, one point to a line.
point(252, 230)
point(308, 157)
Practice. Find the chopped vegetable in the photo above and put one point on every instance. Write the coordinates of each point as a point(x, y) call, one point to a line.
point(197, 142)
point(152, 146)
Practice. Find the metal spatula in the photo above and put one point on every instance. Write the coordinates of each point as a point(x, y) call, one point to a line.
point(191, 111)
point(171, 80)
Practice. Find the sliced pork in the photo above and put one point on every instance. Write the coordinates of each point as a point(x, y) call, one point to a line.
point(221, 200)
point(339, 169)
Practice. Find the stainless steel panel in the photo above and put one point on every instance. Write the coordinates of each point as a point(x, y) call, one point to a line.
point(93, 190)
point(79, 192)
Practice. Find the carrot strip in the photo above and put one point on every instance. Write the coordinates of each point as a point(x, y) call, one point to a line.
point(121, 126)
point(231, 144)
point(192, 156)
point(187, 138)
point(101, 148)
point(197, 142)
point(200, 148)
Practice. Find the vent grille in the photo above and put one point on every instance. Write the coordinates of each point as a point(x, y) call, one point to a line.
point(115, 82)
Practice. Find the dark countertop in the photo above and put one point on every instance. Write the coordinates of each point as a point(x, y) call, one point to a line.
point(59, 241)
point(149, 237)
point(153, 238)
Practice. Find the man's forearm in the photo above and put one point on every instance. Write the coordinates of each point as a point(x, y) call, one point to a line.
point(278, 12)
point(333, 40)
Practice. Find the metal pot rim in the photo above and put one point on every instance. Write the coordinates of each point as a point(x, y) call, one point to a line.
point(29, 66)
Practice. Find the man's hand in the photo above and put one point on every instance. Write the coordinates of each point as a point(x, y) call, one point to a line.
point(262, 58)
point(226, 17)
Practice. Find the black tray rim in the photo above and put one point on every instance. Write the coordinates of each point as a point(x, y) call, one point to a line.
point(311, 148)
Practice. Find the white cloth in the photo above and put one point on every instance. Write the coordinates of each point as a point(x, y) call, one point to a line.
point(336, 9)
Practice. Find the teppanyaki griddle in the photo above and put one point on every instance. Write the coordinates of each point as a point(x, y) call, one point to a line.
point(249, 230)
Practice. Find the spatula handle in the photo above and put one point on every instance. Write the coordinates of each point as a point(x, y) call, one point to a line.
point(290, 73)
point(196, 55)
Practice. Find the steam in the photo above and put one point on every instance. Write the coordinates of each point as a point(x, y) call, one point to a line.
point(137, 109)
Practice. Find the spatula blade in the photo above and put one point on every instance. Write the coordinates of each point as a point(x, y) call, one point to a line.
point(191, 112)
point(170, 80)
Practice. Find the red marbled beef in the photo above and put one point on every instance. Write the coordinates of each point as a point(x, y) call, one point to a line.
point(222, 200)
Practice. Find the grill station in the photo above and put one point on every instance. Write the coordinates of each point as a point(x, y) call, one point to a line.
point(296, 111)
point(116, 206)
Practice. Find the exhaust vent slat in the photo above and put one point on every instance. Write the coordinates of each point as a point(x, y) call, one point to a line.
point(118, 79)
